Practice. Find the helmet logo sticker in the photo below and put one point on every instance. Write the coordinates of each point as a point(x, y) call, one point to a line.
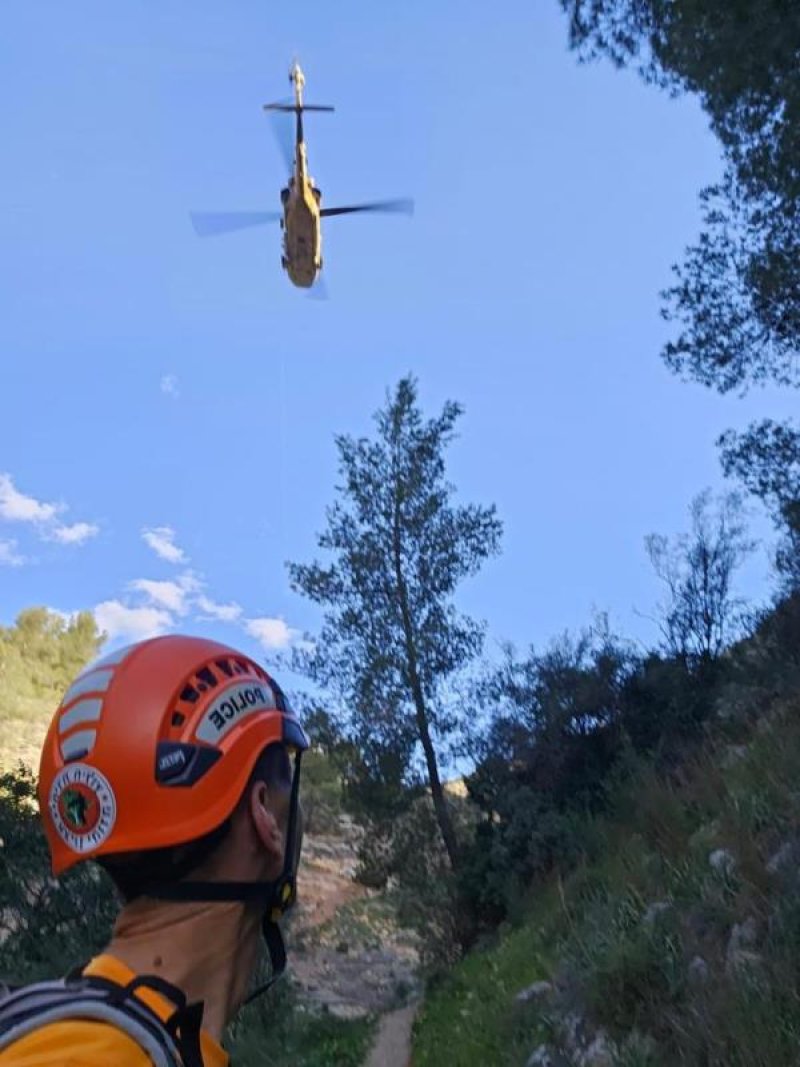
point(231, 705)
point(83, 807)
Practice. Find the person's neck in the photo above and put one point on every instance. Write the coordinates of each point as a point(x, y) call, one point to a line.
point(206, 950)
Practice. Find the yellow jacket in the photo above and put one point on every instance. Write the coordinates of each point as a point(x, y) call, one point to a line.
point(85, 1043)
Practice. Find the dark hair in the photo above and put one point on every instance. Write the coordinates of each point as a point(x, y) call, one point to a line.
point(134, 872)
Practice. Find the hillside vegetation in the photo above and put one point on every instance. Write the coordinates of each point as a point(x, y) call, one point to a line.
point(39, 657)
point(671, 937)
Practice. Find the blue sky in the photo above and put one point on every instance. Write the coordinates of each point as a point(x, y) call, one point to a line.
point(169, 404)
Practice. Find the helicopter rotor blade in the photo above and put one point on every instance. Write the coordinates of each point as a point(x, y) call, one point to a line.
point(390, 207)
point(294, 108)
point(212, 223)
point(283, 130)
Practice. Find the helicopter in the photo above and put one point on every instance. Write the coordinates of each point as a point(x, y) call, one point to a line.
point(302, 211)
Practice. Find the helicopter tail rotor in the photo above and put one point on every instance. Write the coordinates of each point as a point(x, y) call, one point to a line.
point(298, 105)
point(297, 108)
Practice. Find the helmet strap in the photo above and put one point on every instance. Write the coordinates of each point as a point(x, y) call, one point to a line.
point(273, 939)
point(275, 897)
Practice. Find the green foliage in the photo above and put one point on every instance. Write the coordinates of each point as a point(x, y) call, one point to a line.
point(569, 723)
point(623, 963)
point(628, 968)
point(702, 616)
point(391, 637)
point(321, 792)
point(737, 294)
point(428, 894)
point(767, 460)
point(278, 1031)
point(557, 730)
point(525, 837)
point(734, 294)
point(739, 288)
point(39, 657)
point(469, 1018)
point(409, 856)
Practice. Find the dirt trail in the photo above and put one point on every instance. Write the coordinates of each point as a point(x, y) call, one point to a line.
point(392, 1046)
point(348, 955)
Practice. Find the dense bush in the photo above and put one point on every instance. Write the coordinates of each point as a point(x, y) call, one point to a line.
point(564, 726)
point(321, 792)
point(408, 856)
point(47, 925)
point(39, 657)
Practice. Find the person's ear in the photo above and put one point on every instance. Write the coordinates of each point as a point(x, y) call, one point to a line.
point(264, 822)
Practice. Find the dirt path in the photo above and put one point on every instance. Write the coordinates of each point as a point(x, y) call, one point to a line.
point(392, 1046)
point(348, 956)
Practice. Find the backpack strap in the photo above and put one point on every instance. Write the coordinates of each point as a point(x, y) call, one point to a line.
point(174, 1042)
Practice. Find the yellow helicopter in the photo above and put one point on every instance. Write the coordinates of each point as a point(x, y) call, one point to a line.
point(302, 214)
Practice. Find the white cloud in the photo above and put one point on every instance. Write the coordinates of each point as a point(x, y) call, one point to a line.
point(118, 620)
point(270, 633)
point(167, 595)
point(16, 507)
point(174, 596)
point(169, 385)
point(162, 541)
point(9, 557)
point(221, 612)
point(76, 534)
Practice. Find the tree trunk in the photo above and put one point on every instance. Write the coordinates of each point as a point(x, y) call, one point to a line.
point(437, 793)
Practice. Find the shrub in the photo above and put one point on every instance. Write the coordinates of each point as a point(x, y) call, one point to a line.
point(49, 925)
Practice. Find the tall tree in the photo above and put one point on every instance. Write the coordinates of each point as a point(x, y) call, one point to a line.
point(39, 656)
point(391, 637)
point(701, 613)
point(737, 294)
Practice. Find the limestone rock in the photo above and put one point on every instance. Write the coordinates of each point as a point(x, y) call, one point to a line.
point(655, 911)
point(540, 1057)
point(537, 992)
point(598, 1053)
point(740, 958)
point(787, 855)
point(722, 861)
point(744, 935)
point(698, 972)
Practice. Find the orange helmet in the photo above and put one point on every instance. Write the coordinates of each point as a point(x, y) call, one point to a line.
point(153, 746)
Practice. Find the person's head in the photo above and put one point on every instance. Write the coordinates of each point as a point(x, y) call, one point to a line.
point(249, 846)
point(174, 763)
